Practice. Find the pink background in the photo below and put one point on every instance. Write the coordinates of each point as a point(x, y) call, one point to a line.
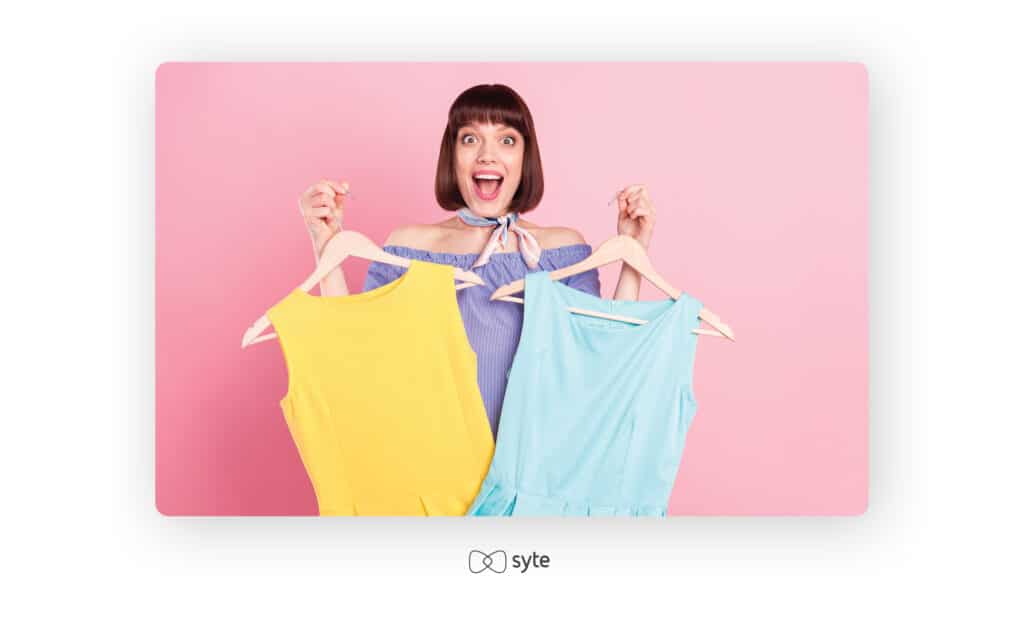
point(758, 172)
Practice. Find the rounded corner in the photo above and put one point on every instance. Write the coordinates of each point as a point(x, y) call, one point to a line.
point(862, 510)
point(862, 70)
point(160, 70)
point(162, 511)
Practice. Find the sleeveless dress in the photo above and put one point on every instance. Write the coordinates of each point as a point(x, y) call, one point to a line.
point(493, 327)
point(596, 412)
point(382, 400)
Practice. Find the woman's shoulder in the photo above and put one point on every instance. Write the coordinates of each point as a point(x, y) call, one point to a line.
point(420, 236)
point(553, 236)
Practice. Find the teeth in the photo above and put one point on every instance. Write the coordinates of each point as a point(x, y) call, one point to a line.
point(487, 177)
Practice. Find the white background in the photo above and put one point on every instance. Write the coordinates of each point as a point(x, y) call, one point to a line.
point(80, 532)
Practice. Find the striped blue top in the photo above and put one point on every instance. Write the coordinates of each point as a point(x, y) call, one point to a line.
point(493, 327)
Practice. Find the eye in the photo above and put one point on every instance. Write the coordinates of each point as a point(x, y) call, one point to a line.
point(467, 136)
point(511, 139)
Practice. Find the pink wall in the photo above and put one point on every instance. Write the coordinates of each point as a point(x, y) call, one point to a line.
point(758, 172)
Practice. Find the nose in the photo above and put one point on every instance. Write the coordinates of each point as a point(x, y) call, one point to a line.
point(485, 154)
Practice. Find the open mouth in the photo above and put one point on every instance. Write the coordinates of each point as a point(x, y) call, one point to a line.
point(487, 185)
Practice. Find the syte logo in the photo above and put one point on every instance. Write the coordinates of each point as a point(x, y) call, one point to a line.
point(497, 561)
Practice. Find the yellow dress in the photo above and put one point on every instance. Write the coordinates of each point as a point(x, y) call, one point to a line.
point(382, 401)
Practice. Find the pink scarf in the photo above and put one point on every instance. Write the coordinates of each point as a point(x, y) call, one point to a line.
point(528, 246)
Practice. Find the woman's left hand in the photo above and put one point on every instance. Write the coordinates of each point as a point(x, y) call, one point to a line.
point(636, 213)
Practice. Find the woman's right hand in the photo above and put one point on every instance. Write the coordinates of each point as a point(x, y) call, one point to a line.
point(322, 209)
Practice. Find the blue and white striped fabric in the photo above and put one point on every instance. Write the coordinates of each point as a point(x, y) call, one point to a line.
point(493, 327)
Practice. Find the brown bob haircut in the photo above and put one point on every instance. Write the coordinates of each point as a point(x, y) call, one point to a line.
point(495, 104)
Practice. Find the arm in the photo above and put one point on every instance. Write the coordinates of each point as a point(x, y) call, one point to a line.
point(334, 282)
point(628, 286)
point(636, 219)
point(322, 208)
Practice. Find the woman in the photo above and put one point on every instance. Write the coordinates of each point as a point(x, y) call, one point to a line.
point(488, 173)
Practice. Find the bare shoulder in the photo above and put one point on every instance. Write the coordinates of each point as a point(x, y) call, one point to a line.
point(420, 236)
point(553, 236)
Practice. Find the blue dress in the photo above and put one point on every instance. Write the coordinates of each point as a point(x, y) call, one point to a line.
point(493, 327)
point(596, 412)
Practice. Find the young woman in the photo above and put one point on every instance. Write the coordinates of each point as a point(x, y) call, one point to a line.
point(489, 174)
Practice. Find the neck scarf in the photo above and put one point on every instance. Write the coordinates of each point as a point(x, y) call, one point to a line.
point(528, 246)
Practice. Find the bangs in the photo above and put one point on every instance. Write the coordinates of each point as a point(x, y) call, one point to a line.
point(484, 106)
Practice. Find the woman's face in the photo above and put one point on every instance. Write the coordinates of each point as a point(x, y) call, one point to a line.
point(488, 166)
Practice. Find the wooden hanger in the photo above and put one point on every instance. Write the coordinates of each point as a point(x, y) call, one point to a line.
point(342, 245)
point(628, 250)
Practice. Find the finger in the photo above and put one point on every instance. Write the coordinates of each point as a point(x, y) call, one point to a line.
point(640, 212)
point(317, 213)
point(341, 188)
point(324, 187)
point(318, 187)
point(628, 201)
point(309, 206)
point(629, 193)
point(620, 197)
point(323, 199)
point(646, 200)
point(637, 203)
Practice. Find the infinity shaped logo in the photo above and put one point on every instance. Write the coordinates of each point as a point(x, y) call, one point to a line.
point(479, 561)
